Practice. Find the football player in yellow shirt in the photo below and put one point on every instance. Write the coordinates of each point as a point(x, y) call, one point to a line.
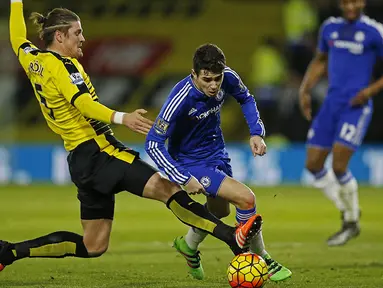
point(99, 164)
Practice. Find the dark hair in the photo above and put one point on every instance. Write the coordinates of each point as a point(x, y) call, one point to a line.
point(58, 19)
point(209, 57)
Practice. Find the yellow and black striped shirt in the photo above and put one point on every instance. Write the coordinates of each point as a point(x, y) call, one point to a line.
point(58, 83)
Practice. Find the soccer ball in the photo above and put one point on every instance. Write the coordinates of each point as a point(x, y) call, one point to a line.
point(247, 270)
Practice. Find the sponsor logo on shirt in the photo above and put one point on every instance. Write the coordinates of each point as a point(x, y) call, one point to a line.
point(36, 68)
point(242, 87)
point(76, 78)
point(161, 126)
point(192, 110)
point(29, 49)
point(353, 47)
point(215, 109)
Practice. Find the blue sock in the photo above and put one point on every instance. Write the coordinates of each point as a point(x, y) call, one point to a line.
point(320, 174)
point(243, 215)
point(344, 177)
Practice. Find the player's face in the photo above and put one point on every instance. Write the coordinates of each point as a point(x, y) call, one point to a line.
point(208, 82)
point(352, 9)
point(73, 40)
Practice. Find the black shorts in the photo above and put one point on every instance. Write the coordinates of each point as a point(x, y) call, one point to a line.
point(99, 176)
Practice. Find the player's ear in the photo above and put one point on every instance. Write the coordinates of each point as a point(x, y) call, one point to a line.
point(59, 36)
point(194, 74)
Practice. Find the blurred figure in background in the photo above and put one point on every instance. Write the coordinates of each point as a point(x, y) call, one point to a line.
point(300, 18)
point(348, 48)
point(268, 77)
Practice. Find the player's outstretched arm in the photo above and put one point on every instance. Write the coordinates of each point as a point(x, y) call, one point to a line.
point(315, 71)
point(95, 110)
point(17, 28)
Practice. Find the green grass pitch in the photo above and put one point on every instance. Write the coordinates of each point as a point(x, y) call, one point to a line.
point(297, 221)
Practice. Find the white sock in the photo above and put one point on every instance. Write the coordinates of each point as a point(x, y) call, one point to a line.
point(257, 245)
point(349, 194)
point(327, 181)
point(194, 237)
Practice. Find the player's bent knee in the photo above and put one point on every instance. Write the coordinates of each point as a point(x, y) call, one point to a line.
point(250, 200)
point(96, 251)
point(221, 212)
point(160, 188)
point(246, 200)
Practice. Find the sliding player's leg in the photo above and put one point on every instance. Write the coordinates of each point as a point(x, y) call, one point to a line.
point(188, 245)
point(143, 180)
point(97, 217)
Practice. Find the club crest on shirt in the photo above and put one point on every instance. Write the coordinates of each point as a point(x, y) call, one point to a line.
point(359, 36)
point(220, 95)
point(161, 126)
point(205, 181)
point(334, 35)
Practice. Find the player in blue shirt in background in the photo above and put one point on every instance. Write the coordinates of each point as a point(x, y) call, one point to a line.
point(348, 48)
point(190, 121)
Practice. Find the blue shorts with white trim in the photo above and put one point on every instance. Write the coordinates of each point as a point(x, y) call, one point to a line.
point(211, 176)
point(339, 123)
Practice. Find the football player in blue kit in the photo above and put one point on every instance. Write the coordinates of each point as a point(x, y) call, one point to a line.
point(348, 49)
point(190, 121)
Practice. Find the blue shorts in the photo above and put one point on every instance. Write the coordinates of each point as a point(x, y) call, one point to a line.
point(339, 123)
point(211, 176)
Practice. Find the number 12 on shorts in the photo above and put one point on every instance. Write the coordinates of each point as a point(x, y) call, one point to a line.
point(347, 132)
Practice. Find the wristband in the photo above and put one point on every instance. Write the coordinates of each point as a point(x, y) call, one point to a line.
point(118, 117)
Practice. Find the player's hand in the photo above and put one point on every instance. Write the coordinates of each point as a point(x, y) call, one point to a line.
point(258, 145)
point(136, 122)
point(193, 187)
point(305, 104)
point(361, 98)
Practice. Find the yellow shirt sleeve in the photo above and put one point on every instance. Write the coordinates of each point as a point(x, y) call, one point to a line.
point(22, 47)
point(93, 109)
point(68, 77)
point(17, 29)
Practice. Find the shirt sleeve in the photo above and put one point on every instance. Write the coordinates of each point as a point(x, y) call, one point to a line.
point(69, 79)
point(22, 47)
point(249, 108)
point(322, 42)
point(162, 129)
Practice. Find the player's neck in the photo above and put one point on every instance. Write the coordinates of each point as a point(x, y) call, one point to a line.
point(58, 50)
point(353, 20)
